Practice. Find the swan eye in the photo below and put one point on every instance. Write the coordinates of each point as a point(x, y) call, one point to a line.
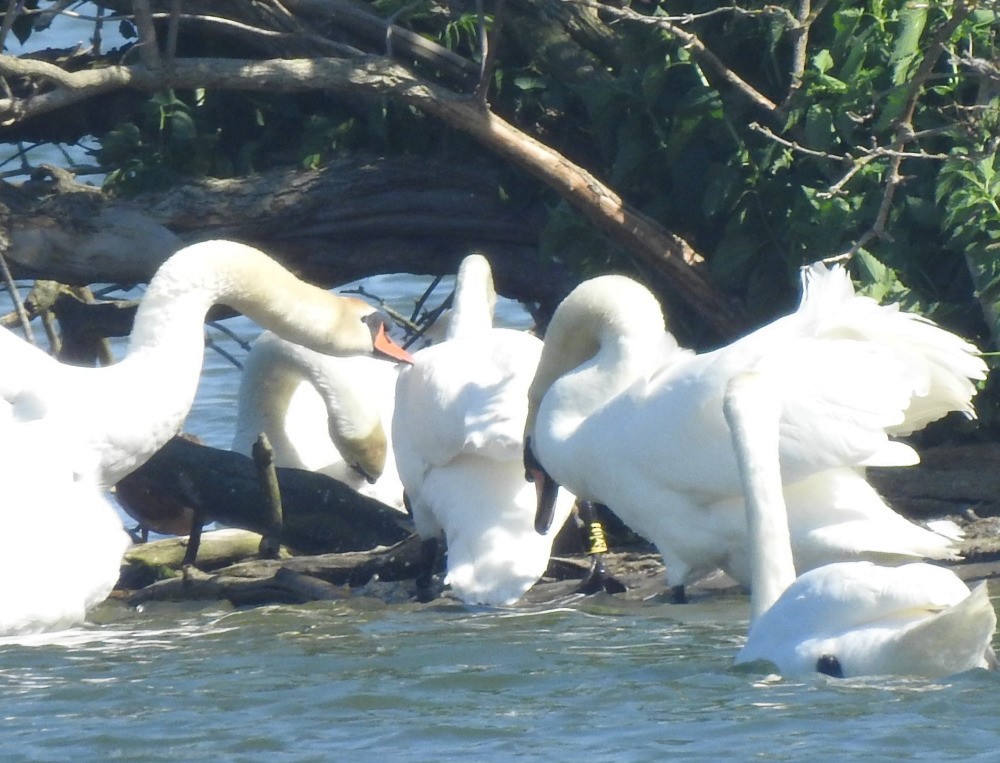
point(376, 320)
point(830, 666)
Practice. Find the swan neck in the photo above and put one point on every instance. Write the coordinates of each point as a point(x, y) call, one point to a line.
point(475, 299)
point(753, 410)
point(244, 278)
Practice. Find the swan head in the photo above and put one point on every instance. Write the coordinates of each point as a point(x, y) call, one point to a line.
point(365, 454)
point(611, 312)
point(357, 328)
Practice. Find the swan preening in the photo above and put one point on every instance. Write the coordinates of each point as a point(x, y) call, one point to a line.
point(457, 431)
point(620, 415)
point(108, 421)
point(321, 413)
point(847, 618)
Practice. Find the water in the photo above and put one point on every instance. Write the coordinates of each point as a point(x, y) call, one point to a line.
point(608, 680)
point(600, 679)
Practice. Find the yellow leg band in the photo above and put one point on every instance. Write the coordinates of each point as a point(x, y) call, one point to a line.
point(598, 543)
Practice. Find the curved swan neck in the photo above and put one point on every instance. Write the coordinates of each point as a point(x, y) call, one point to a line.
point(752, 410)
point(249, 281)
point(273, 372)
point(610, 321)
point(475, 298)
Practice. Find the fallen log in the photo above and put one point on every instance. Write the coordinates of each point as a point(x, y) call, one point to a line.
point(292, 580)
point(320, 514)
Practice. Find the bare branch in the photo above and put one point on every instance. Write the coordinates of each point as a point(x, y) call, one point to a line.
point(148, 47)
point(699, 51)
point(666, 252)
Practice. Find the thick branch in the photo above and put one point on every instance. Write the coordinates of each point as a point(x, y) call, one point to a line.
point(640, 235)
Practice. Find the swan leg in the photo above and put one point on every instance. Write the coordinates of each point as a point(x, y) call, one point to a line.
point(194, 540)
point(598, 578)
point(430, 554)
point(197, 517)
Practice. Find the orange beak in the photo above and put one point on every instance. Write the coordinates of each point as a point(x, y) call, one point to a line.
point(387, 348)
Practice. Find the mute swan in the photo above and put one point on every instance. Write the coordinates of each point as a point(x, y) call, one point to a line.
point(847, 618)
point(321, 413)
point(125, 412)
point(620, 415)
point(457, 430)
point(70, 432)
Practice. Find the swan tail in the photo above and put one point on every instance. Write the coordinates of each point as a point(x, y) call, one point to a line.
point(942, 367)
point(954, 640)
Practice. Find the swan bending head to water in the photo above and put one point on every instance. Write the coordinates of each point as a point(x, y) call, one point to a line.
point(848, 618)
point(321, 413)
point(457, 431)
point(79, 430)
point(620, 415)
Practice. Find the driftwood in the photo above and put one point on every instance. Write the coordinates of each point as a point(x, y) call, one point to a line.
point(356, 217)
point(154, 572)
point(320, 514)
point(956, 481)
point(291, 580)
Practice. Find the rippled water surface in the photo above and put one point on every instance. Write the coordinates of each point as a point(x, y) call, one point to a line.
point(606, 679)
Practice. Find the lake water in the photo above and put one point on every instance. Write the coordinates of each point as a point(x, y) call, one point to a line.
point(596, 679)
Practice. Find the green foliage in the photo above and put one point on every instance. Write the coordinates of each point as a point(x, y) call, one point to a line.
point(676, 141)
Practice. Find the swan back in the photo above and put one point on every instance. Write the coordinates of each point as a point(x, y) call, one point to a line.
point(458, 435)
point(916, 619)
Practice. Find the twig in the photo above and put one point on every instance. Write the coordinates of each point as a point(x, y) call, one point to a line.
point(148, 47)
point(904, 132)
point(267, 477)
point(14, 7)
point(647, 241)
point(172, 29)
point(699, 51)
point(15, 298)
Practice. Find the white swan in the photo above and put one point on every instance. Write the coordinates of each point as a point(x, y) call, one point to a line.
point(125, 412)
point(70, 432)
point(620, 415)
point(63, 540)
point(321, 413)
point(848, 618)
point(457, 431)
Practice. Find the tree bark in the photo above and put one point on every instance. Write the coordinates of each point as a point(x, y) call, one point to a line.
point(320, 514)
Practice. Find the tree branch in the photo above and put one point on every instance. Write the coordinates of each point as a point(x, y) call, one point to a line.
point(699, 51)
point(646, 240)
